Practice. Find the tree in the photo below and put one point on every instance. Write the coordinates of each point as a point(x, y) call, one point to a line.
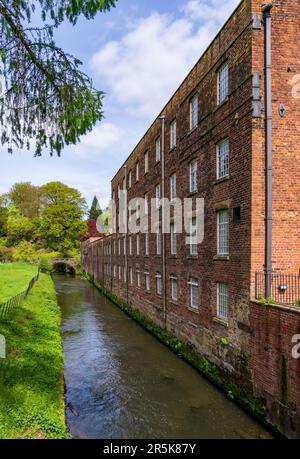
point(62, 220)
point(95, 210)
point(3, 216)
point(18, 228)
point(25, 197)
point(45, 95)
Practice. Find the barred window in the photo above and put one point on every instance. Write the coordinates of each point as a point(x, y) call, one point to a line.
point(222, 300)
point(194, 112)
point(173, 239)
point(193, 234)
point(146, 243)
point(174, 292)
point(223, 232)
point(157, 149)
point(194, 293)
point(173, 187)
point(173, 134)
point(158, 284)
point(223, 83)
point(158, 242)
point(146, 157)
point(223, 159)
point(147, 282)
point(193, 176)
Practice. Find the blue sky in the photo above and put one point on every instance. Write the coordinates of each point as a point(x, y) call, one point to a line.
point(137, 54)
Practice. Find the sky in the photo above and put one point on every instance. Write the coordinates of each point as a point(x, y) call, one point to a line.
point(138, 54)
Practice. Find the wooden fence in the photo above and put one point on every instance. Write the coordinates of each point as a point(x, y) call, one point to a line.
point(16, 301)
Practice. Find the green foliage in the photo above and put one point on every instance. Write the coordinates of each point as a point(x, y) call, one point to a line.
point(54, 102)
point(224, 341)
point(6, 254)
point(18, 227)
point(45, 266)
point(25, 251)
point(31, 386)
point(95, 210)
point(267, 300)
point(297, 302)
point(25, 197)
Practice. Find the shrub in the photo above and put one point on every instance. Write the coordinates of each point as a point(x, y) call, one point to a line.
point(297, 302)
point(25, 251)
point(45, 266)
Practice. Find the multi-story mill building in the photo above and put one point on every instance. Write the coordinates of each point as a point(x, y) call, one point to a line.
point(230, 135)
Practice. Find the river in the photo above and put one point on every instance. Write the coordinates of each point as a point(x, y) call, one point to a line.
point(123, 383)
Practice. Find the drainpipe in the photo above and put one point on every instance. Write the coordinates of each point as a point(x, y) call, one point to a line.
point(268, 135)
point(162, 119)
point(126, 231)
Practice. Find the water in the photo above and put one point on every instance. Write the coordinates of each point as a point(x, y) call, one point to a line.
point(125, 384)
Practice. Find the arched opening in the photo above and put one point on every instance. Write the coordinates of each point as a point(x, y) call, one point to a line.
point(64, 268)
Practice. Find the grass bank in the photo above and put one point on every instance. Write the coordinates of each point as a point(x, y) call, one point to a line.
point(14, 279)
point(31, 384)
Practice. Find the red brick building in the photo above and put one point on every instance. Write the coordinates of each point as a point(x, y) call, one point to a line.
point(220, 129)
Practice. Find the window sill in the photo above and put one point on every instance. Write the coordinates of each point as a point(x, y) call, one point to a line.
point(221, 257)
point(192, 193)
point(192, 257)
point(221, 321)
point(221, 180)
point(174, 302)
point(221, 104)
point(192, 130)
point(172, 148)
point(194, 310)
point(157, 163)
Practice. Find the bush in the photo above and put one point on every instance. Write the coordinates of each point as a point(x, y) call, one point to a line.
point(5, 254)
point(25, 251)
point(45, 266)
point(297, 302)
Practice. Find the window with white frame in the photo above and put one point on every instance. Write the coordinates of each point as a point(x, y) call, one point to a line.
point(125, 275)
point(173, 187)
point(157, 149)
point(146, 198)
point(223, 82)
point(158, 241)
point(129, 179)
point(146, 158)
point(194, 112)
point(138, 278)
point(130, 276)
point(119, 243)
point(222, 300)
point(194, 293)
point(158, 284)
point(193, 234)
point(174, 291)
point(120, 272)
point(173, 134)
point(137, 244)
point(158, 195)
point(223, 159)
point(146, 244)
point(130, 245)
point(124, 246)
point(193, 176)
point(173, 239)
point(223, 231)
point(137, 171)
point(147, 281)
point(115, 271)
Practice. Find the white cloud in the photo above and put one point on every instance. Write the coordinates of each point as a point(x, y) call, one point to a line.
point(144, 67)
point(99, 140)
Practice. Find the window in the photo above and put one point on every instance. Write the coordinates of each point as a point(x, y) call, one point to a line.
point(173, 187)
point(158, 284)
point(147, 282)
point(137, 172)
point(194, 293)
point(119, 242)
point(157, 149)
point(130, 276)
point(223, 232)
point(138, 278)
point(222, 300)
point(120, 272)
point(223, 83)
point(223, 159)
point(124, 246)
point(146, 157)
point(130, 245)
point(193, 176)
point(146, 198)
point(158, 242)
point(173, 134)
point(194, 112)
point(237, 214)
point(174, 288)
point(137, 244)
point(158, 195)
point(124, 184)
point(129, 179)
point(147, 244)
point(125, 275)
point(115, 271)
point(193, 233)
point(173, 239)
